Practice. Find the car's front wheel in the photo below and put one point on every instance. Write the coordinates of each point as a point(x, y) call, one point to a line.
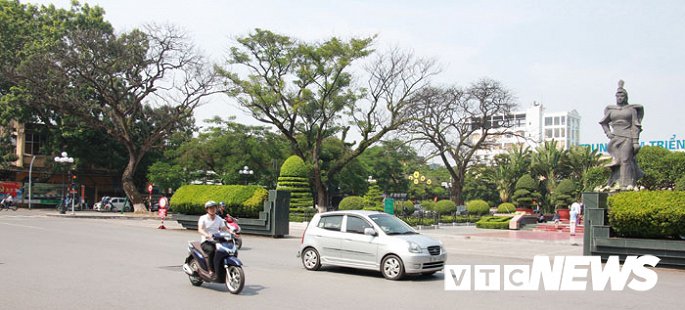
point(392, 267)
point(310, 259)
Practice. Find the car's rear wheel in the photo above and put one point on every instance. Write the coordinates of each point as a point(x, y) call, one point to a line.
point(310, 259)
point(392, 267)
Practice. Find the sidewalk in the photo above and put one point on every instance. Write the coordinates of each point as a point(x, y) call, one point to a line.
point(296, 228)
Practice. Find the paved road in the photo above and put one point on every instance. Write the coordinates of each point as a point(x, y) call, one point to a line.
point(67, 263)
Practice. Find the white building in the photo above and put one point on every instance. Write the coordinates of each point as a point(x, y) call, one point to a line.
point(531, 128)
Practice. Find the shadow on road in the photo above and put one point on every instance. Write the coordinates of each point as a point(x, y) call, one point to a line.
point(376, 274)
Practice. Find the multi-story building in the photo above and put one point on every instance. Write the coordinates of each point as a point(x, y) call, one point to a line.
point(531, 128)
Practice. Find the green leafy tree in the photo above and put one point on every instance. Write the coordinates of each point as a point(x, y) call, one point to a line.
point(295, 178)
point(140, 87)
point(477, 186)
point(526, 192)
point(595, 177)
point(306, 91)
point(373, 199)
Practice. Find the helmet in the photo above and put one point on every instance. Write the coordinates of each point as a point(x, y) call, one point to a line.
point(222, 204)
point(210, 204)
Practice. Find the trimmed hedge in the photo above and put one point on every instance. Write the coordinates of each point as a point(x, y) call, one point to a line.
point(241, 200)
point(445, 207)
point(648, 214)
point(459, 219)
point(506, 207)
point(477, 207)
point(494, 222)
point(352, 203)
point(415, 221)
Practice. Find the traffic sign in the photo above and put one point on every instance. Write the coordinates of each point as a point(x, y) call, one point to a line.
point(149, 188)
point(163, 202)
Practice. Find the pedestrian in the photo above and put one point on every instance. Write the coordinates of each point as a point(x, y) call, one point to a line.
point(573, 221)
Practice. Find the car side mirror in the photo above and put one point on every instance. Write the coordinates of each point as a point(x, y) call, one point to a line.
point(369, 231)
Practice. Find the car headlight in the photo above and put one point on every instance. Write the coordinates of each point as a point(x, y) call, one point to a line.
point(414, 247)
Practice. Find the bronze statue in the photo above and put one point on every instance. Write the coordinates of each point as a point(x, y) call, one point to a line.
point(622, 125)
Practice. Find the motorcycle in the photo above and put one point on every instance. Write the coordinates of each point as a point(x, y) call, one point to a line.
point(225, 255)
point(232, 224)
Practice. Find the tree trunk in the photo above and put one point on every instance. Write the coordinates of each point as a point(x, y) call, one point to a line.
point(320, 190)
point(130, 187)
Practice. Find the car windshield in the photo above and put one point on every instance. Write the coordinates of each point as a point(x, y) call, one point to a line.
point(392, 225)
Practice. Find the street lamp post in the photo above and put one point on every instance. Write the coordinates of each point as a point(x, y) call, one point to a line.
point(246, 172)
point(418, 178)
point(30, 172)
point(66, 160)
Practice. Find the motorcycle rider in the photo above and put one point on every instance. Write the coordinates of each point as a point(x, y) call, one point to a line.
point(208, 225)
point(221, 212)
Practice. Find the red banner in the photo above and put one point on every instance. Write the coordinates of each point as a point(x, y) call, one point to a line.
point(10, 188)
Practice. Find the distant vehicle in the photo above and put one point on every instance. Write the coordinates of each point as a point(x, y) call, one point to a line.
point(113, 204)
point(369, 240)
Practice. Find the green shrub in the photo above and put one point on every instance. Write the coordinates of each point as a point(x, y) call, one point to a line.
point(648, 214)
point(445, 206)
point(494, 222)
point(241, 200)
point(477, 207)
point(404, 207)
point(415, 221)
point(373, 198)
point(506, 207)
point(564, 194)
point(680, 184)
point(428, 204)
point(352, 203)
point(459, 219)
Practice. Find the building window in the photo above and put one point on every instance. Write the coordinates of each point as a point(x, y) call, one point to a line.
point(563, 132)
point(563, 120)
point(548, 133)
point(556, 120)
point(34, 143)
point(556, 132)
point(548, 121)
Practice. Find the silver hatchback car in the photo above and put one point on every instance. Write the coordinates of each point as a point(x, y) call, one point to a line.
point(369, 240)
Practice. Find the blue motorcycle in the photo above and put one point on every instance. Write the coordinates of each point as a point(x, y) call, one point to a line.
point(227, 267)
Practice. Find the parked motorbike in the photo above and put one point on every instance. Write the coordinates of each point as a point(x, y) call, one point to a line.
point(13, 206)
point(232, 224)
point(227, 267)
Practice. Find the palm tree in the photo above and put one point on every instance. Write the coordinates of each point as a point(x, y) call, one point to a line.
point(508, 168)
point(580, 159)
point(546, 165)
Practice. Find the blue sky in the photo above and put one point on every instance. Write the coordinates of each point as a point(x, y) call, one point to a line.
point(565, 54)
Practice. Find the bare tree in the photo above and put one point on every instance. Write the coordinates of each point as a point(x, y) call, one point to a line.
point(139, 87)
point(456, 122)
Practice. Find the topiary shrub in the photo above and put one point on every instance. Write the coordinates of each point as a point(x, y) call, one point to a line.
point(525, 192)
point(428, 205)
point(241, 200)
point(294, 178)
point(352, 203)
point(494, 222)
point(648, 214)
point(477, 207)
point(446, 207)
point(564, 194)
point(506, 207)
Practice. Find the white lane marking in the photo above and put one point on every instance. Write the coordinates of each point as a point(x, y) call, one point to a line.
point(25, 226)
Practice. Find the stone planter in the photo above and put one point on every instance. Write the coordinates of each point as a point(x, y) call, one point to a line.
point(564, 214)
